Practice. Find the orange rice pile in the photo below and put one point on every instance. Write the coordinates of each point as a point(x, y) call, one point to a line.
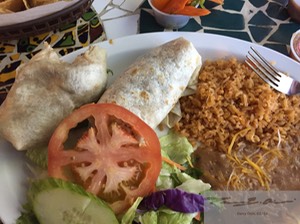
point(232, 106)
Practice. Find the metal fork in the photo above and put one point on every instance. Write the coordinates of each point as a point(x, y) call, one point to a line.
point(278, 80)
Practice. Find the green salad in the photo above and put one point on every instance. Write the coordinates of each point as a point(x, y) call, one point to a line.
point(178, 190)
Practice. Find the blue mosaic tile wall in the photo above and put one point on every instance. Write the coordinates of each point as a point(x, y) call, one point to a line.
point(265, 22)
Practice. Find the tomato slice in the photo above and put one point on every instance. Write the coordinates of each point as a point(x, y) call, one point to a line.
point(117, 157)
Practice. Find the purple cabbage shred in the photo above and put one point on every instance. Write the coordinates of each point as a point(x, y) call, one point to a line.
point(175, 199)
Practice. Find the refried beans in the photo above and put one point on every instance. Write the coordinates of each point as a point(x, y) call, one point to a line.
point(248, 133)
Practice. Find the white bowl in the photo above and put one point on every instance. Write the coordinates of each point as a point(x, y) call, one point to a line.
point(169, 21)
point(295, 46)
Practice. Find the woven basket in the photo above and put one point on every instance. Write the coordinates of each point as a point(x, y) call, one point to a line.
point(45, 24)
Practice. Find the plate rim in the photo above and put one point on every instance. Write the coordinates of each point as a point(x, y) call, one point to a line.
point(280, 60)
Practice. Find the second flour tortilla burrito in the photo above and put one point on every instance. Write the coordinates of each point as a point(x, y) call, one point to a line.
point(152, 85)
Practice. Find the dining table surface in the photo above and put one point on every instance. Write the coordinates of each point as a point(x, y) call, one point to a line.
point(265, 22)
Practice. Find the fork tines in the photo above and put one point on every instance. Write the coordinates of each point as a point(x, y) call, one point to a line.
point(262, 67)
point(275, 78)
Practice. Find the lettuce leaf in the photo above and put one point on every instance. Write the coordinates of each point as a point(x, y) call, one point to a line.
point(130, 214)
point(192, 185)
point(39, 156)
point(27, 216)
point(176, 147)
point(166, 216)
point(165, 180)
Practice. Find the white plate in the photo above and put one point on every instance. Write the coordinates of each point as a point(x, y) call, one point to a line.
point(121, 52)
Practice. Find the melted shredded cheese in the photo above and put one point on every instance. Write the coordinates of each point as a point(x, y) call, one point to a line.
point(235, 137)
point(188, 158)
point(256, 165)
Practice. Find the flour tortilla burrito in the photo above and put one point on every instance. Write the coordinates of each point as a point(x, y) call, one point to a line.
point(152, 85)
point(46, 90)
